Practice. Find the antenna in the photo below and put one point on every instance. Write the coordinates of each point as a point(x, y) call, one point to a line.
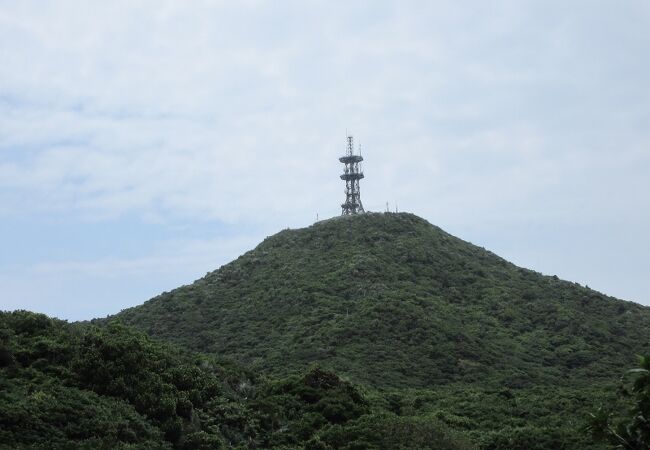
point(352, 173)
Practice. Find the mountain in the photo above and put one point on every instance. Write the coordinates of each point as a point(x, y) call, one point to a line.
point(393, 302)
point(370, 332)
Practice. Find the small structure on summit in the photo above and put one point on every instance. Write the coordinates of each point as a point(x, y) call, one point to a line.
point(351, 175)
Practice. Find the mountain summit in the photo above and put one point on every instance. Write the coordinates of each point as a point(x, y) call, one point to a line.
point(392, 301)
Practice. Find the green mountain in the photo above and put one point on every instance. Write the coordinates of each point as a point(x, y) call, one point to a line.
point(372, 332)
point(391, 301)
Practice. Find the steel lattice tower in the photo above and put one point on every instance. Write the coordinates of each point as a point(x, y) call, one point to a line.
point(351, 175)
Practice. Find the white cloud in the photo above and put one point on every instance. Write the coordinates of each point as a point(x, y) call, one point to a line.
point(497, 113)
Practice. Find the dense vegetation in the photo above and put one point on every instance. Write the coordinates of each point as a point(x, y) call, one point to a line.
point(391, 301)
point(627, 425)
point(75, 386)
point(373, 332)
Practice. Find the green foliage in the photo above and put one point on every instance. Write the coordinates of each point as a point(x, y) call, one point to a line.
point(42, 405)
point(414, 339)
point(76, 386)
point(512, 358)
point(542, 417)
point(72, 385)
point(389, 300)
point(295, 408)
point(627, 425)
point(387, 431)
point(38, 413)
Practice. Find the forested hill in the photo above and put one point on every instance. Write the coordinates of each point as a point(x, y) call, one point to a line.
point(372, 332)
point(75, 386)
point(390, 300)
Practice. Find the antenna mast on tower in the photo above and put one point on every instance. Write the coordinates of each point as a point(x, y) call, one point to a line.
point(351, 175)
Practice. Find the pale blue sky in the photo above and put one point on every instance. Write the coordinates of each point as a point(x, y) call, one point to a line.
point(144, 143)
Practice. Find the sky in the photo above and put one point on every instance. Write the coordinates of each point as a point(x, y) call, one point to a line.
point(145, 143)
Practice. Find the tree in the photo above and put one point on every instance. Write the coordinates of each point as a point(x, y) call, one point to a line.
point(631, 429)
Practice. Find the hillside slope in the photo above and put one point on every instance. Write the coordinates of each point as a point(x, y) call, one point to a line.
point(65, 386)
point(393, 301)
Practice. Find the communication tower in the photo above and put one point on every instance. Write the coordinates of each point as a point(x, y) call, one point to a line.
point(351, 175)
